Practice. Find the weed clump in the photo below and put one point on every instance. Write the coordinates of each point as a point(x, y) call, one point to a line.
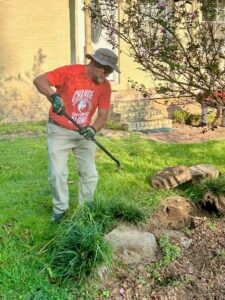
point(80, 251)
point(214, 185)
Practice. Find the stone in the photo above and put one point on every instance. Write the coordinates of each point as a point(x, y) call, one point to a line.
point(200, 172)
point(132, 245)
point(174, 213)
point(171, 177)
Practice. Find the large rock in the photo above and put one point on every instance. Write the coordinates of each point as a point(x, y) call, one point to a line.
point(202, 171)
point(174, 213)
point(132, 245)
point(171, 177)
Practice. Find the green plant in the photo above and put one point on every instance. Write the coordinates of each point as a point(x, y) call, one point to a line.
point(127, 211)
point(114, 125)
point(193, 119)
point(106, 212)
point(179, 116)
point(106, 294)
point(212, 226)
point(214, 185)
point(221, 254)
point(79, 251)
point(97, 211)
point(170, 252)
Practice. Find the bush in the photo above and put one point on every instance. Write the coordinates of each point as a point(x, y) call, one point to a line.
point(179, 116)
point(110, 124)
point(184, 117)
point(193, 119)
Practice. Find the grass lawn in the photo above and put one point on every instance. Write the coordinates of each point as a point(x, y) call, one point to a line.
point(25, 199)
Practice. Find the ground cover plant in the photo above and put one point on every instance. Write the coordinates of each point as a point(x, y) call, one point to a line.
point(25, 229)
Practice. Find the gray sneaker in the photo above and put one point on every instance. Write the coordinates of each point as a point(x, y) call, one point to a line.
point(56, 217)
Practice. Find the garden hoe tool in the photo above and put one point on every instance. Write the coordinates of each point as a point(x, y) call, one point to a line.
point(93, 140)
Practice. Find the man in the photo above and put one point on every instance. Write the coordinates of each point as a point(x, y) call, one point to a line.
point(80, 90)
point(216, 101)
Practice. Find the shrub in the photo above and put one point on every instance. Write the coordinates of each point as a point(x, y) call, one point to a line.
point(110, 124)
point(179, 116)
point(193, 119)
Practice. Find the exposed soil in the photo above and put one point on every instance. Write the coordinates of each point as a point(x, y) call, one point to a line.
point(201, 133)
point(198, 274)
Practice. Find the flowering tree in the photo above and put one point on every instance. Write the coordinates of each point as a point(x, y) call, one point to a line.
point(178, 43)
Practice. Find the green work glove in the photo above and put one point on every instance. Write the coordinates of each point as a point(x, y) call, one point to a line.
point(88, 132)
point(57, 104)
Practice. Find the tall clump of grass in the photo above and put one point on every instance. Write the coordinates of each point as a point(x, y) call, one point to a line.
point(80, 248)
point(99, 212)
point(214, 185)
point(79, 251)
point(107, 212)
point(126, 212)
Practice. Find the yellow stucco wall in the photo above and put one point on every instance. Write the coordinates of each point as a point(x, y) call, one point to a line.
point(35, 37)
point(29, 27)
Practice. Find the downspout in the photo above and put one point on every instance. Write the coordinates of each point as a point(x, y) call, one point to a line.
point(72, 32)
point(88, 44)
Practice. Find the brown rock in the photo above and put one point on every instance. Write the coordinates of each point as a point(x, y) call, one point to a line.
point(171, 177)
point(174, 213)
point(199, 172)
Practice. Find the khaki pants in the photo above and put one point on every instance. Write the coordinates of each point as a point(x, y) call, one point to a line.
point(60, 142)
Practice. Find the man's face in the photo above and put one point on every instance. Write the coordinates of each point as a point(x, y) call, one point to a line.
point(98, 74)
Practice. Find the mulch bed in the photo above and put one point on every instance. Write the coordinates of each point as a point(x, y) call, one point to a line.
point(197, 274)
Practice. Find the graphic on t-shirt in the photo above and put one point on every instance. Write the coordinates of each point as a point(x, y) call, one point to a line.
point(82, 102)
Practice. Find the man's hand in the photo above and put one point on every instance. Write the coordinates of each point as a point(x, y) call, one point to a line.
point(88, 132)
point(57, 104)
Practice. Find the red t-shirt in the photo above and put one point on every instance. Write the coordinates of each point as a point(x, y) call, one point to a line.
point(80, 95)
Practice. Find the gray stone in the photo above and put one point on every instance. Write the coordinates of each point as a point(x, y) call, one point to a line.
point(202, 171)
point(132, 245)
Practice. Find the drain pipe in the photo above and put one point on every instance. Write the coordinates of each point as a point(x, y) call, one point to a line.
point(72, 32)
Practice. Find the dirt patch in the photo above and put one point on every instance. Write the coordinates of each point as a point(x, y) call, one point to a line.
point(198, 132)
point(197, 274)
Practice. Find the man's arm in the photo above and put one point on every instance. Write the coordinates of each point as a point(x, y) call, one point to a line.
point(101, 119)
point(43, 86)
